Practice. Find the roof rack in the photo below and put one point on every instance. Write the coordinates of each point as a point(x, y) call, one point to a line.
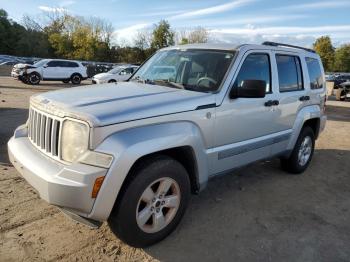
point(286, 45)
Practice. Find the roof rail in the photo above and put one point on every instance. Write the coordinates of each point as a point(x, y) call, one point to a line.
point(286, 45)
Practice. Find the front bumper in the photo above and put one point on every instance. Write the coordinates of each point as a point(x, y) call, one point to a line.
point(98, 81)
point(66, 186)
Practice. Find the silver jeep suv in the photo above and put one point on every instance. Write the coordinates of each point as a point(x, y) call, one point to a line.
point(133, 152)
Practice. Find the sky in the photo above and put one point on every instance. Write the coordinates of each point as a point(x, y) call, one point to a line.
point(239, 21)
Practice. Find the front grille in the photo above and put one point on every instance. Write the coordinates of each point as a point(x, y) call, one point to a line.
point(44, 132)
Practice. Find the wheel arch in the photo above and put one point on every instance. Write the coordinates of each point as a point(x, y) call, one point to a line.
point(308, 116)
point(180, 140)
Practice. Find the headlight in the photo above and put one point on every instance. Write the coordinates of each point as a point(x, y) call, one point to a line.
point(75, 140)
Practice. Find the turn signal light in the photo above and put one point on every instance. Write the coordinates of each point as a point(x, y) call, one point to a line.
point(97, 186)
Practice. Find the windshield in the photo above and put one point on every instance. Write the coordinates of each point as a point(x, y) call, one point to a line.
point(196, 69)
point(115, 70)
point(40, 63)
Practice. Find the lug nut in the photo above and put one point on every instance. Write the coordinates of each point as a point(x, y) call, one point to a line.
point(157, 210)
point(152, 209)
point(154, 200)
point(163, 202)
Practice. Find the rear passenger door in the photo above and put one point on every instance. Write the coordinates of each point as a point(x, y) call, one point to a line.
point(292, 93)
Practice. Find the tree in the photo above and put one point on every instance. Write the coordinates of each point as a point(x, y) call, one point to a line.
point(163, 36)
point(342, 58)
point(323, 46)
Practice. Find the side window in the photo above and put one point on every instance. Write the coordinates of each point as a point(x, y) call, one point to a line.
point(255, 67)
point(127, 71)
point(72, 64)
point(315, 73)
point(289, 73)
point(52, 64)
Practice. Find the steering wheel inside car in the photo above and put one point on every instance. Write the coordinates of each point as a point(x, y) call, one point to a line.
point(206, 78)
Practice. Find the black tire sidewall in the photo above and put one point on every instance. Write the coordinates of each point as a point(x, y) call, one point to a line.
point(123, 218)
point(75, 82)
point(292, 163)
point(112, 81)
point(30, 76)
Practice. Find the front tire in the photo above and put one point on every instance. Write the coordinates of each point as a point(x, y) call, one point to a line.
point(302, 153)
point(152, 203)
point(66, 81)
point(33, 78)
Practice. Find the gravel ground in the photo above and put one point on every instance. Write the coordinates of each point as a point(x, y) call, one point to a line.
point(259, 213)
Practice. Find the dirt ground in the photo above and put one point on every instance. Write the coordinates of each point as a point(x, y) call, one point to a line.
point(259, 213)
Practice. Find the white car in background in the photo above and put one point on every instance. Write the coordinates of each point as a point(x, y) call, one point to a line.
point(119, 73)
point(50, 70)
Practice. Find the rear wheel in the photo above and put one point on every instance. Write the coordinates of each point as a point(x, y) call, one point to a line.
point(302, 153)
point(75, 79)
point(153, 202)
point(342, 95)
point(112, 81)
point(33, 78)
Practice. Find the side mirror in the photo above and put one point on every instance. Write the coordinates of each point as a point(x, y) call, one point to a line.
point(249, 89)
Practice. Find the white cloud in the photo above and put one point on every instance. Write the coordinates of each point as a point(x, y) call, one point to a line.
point(239, 20)
point(285, 30)
point(213, 9)
point(316, 5)
point(128, 34)
point(52, 9)
point(303, 36)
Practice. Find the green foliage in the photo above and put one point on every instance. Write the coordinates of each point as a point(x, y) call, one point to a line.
point(74, 37)
point(342, 59)
point(163, 36)
point(323, 46)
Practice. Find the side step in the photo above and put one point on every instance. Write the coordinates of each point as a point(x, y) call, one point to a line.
point(83, 220)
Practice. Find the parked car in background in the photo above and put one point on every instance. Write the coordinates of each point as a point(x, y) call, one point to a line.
point(119, 73)
point(51, 70)
point(8, 63)
point(338, 79)
point(343, 91)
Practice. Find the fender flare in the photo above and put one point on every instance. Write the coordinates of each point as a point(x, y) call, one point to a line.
point(306, 113)
point(129, 145)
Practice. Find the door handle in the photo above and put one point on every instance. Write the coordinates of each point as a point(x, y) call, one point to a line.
point(304, 98)
point(272, 103)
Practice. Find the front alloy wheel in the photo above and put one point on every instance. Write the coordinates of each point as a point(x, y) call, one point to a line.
point(158, 205)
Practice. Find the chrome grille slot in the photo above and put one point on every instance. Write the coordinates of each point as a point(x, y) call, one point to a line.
point(44, 132)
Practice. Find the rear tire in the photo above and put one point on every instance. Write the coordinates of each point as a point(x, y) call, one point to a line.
point(342, 95)
point(112, 81)
point(302, 153)
point(144, 214)
point(75, 79)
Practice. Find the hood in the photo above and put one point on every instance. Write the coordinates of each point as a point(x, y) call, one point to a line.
point(22, 65)
point(109, 104)
point(102, 75)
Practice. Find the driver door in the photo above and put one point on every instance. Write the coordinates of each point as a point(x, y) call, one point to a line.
point(245, 127)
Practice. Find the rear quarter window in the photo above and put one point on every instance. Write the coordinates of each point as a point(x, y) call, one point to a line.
point(315, 73)
point(289, 73)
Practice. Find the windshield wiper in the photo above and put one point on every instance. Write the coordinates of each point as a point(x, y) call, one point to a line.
point(169, 83)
